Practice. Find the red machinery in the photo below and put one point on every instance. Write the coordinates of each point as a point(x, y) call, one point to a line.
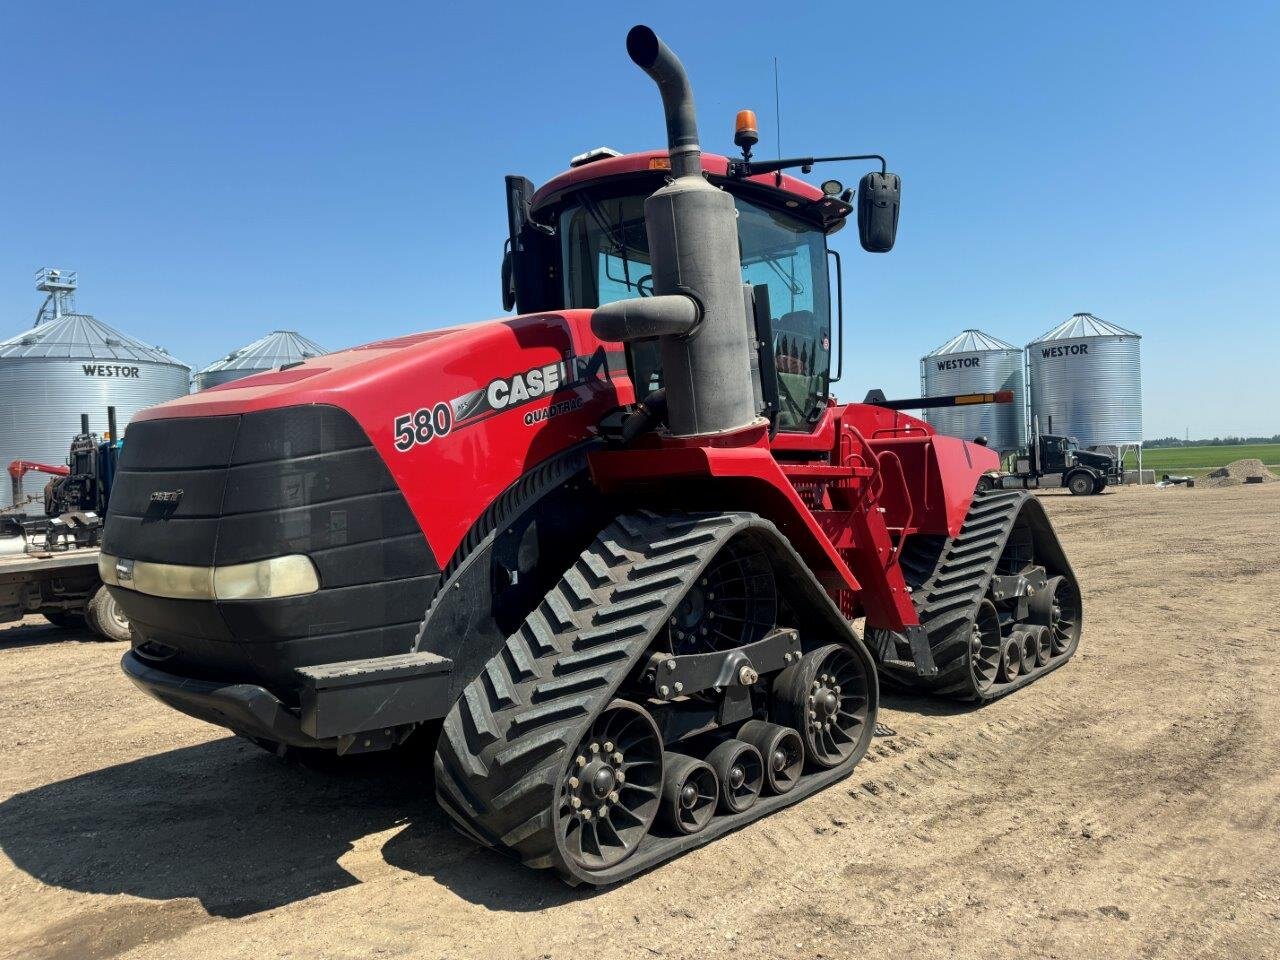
point(20, 468)
point(609, 551)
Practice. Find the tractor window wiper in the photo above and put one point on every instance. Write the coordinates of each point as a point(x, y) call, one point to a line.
point(615, 241)
point(794, 286)
point(615, 235)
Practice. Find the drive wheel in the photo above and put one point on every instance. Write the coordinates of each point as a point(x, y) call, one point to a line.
point(105, 616)
point(609, 795)
point(824, 696)
point(1057, 607)
point(1080, 484)
point(985, 646)
point(733, 603)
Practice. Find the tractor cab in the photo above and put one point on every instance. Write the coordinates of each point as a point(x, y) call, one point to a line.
point(580, 242)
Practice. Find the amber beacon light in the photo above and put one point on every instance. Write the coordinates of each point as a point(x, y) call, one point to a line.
point(746, 132)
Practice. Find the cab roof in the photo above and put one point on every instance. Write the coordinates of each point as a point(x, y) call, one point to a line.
point(780, 189)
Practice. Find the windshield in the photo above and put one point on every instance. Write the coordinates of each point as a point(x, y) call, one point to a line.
point(606, 256)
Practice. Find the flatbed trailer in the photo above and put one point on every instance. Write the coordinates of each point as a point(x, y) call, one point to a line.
point(64, 587)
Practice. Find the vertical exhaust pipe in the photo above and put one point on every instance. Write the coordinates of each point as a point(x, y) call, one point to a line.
point(698, 311)
point(655, 58)
point(84, 423)
point(111, 424)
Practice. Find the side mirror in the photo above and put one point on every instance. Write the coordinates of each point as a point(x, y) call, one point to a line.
point(519, 199)
point(508, 279)
point(879, 196)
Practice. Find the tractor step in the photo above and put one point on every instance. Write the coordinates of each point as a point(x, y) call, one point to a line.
point(380, 694)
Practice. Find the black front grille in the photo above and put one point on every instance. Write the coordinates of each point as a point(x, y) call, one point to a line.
point(293, 480)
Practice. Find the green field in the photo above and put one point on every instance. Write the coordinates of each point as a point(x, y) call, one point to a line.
point(1197, 461)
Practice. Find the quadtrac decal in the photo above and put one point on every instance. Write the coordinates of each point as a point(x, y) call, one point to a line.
point(505, 393)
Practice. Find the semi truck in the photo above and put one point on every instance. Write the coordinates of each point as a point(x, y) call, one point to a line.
point(1053, 460)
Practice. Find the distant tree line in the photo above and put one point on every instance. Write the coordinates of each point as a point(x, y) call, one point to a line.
point(1214, 442)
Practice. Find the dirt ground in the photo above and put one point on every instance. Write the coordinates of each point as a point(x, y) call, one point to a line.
point(1124, 806)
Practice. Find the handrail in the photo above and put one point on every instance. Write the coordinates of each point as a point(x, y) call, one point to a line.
point(906, 494)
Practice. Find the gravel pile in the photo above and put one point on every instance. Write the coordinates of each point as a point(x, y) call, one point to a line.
point(1239, 471)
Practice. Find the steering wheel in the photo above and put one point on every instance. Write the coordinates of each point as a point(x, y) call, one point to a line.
point(640, 285)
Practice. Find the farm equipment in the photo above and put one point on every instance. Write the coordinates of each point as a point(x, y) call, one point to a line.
point(609, 552)
point(49, 563)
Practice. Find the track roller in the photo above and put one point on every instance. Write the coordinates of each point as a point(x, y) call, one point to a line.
point(824, 696)
point(740, 770)
point(1044, 643)
point(689, 792)
point(1030, 649)
point(781, 748)
point(1011, 658)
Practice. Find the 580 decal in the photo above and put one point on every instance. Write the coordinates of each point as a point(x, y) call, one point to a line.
point(507, 393)
point(423, 426)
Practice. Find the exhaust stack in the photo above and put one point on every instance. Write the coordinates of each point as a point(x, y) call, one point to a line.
point(698, 311)
point(656, 59)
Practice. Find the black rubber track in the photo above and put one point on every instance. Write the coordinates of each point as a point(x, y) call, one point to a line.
point(947, 601)
point(553, 471)
point(505, 743)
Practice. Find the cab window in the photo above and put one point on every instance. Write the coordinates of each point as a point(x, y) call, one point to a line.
point(606, 255)
point(789, 257)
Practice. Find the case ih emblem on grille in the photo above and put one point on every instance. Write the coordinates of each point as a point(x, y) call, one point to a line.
point(124, 570)
point(166, 496)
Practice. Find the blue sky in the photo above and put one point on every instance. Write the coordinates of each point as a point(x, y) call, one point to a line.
point(214, 171)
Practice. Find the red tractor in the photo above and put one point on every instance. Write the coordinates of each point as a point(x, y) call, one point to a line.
point(608, 552)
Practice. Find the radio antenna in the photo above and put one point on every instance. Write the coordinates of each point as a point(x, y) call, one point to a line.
point(777, 106)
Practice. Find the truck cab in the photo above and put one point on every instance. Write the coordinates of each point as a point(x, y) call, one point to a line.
point(1061, 454)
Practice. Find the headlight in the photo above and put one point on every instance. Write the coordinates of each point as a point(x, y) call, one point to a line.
point(289, 576)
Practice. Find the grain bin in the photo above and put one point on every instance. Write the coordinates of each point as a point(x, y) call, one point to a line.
point(276, 349)
point(70, 363)
point(975, 362)
point(1086, 382)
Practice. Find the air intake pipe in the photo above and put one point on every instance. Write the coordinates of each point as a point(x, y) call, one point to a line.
point(698, 312)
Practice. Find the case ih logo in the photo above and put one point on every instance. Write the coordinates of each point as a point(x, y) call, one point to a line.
point(959, 362)
point(109, 370)
point(1066, 350)
point(504, 393)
